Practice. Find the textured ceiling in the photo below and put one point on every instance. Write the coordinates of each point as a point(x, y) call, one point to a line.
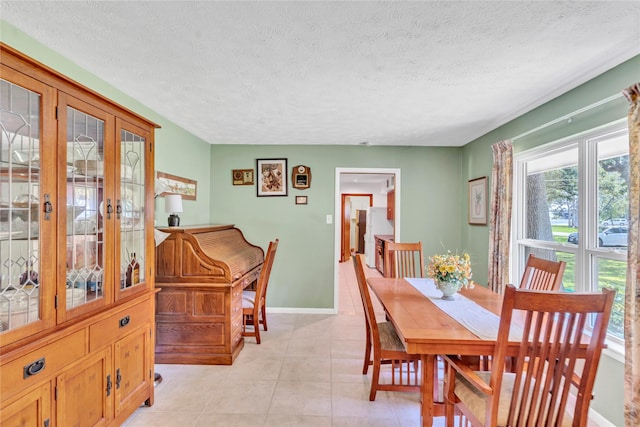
point(389, 73)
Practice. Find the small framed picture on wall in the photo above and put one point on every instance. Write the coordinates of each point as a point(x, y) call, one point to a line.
point(478, 201)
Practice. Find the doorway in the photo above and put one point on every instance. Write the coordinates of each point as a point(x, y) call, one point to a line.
point(353, 208)
point(361, 182)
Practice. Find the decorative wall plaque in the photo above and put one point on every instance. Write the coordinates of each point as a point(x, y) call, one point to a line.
point(301, 177)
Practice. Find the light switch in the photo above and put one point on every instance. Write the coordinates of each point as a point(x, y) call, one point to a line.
point(329, 219)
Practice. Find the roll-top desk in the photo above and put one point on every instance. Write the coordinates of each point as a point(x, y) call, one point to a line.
point(201, 272)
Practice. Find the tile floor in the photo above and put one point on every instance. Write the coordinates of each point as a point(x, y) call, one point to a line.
point(307, 372)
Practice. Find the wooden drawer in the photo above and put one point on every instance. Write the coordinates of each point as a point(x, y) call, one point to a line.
point(251, 277)
point(40, 364)
point(124, 321)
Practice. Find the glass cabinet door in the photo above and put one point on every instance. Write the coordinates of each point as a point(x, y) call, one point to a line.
point(27, 249)
point(87, 207)
point(131, 210)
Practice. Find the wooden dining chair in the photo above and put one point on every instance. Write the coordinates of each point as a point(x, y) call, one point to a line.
point(254, 305)
point(540, 275)
point(403, 260)
point(543, 275)
point(554, 357)
point(384, 347)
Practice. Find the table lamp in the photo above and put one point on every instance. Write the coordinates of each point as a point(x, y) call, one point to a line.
point(173, 206)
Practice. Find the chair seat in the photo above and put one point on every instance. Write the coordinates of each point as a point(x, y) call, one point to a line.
point(389, 339)
point(249, 296)
point(475, 401)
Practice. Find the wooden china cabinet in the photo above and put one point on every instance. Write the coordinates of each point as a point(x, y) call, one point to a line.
point(76, 252)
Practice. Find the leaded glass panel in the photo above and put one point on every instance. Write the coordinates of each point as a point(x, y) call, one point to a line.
point(20, 201)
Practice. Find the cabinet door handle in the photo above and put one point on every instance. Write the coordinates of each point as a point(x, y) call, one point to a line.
point(33, 368)
point(118, 209)
point(109, 385)
point(118, 378)
point(48, 207)
point(109, 209)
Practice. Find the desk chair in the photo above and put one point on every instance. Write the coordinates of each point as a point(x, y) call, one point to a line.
point(387, 346)
point(548, 360)
point(254, 310)
point(403, 260)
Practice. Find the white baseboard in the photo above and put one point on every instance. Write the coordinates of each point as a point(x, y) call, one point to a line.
point(594, 417)
point(599, 419)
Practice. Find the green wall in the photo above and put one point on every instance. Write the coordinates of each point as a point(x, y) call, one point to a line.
point(477, 161)
point(178, 152)
point(303, 273)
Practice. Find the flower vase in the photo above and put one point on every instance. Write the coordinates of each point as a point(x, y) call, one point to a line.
point(448, 289)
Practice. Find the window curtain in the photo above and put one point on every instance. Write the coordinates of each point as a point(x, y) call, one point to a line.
point(632, 289)
point(500, 215)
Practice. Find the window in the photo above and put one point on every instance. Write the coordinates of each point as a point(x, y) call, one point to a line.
point(571, 203)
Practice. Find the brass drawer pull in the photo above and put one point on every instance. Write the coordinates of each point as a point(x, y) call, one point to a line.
point(34, 368)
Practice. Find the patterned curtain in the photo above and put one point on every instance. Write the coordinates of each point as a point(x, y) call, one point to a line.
point(632, 289)
point(500, 215)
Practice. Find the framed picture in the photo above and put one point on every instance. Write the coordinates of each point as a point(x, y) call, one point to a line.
point(272, 177)
point(478, 201)
point(242, 176)
point(301, 200)
point(178, 185)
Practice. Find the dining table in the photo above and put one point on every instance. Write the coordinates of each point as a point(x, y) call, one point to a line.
point(430, 326)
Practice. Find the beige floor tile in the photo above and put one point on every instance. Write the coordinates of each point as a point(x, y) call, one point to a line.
point(183, 396)
point(306, 369)
point(352, 400)
point(364, 422)
point(272, 344)
point(301, 398)
point(188, 372)
point(348, 348)
point(348, 332)
point(230, 420)
point(240, 397)
point(278, 420)
point(309, 346)
point(348, 371)
point(320, 329)
point(146, 417)
point(256, 368)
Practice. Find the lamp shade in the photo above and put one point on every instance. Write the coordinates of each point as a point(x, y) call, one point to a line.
point(173, 203)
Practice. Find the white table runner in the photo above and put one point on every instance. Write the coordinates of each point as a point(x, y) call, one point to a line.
point(477, 319)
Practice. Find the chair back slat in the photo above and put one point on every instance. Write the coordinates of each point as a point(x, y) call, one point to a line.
point(403, 260)
point(554, 354)
point(541, 274)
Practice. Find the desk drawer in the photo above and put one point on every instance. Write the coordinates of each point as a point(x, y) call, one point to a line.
point(39, 364)
point(106, 331)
